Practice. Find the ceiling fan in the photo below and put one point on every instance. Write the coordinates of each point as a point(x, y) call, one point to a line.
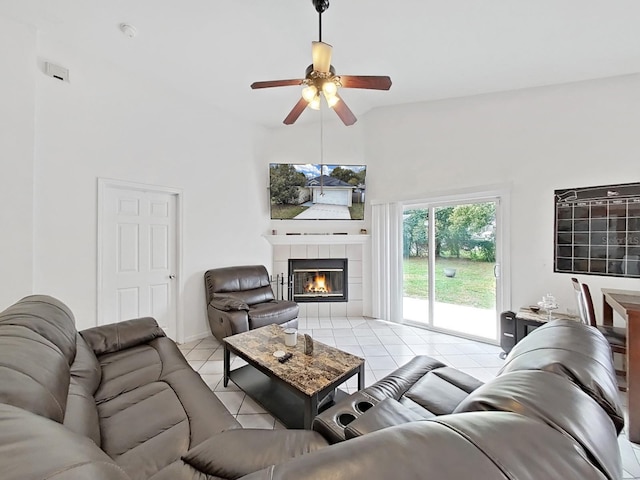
point(321, 80)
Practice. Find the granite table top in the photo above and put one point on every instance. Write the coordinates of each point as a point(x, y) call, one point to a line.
point(307, 373)
point(541, 316)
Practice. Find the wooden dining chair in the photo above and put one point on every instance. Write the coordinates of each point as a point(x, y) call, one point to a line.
point(616, 336)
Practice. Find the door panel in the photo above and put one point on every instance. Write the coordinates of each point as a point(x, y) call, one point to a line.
point(139, 257)
point(416, 265)
point(128, 303)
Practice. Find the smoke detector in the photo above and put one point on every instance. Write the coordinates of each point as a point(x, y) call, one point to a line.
point(129, 30)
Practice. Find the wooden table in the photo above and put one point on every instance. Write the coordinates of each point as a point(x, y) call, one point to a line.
point(627, 304)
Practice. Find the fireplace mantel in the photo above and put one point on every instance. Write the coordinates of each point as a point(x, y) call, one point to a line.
point(312, 239)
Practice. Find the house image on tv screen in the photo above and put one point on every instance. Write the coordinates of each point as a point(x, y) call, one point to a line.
point(317, 192)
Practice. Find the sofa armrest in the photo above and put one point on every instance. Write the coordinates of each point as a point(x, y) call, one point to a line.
point(234, 453)
point(119, 336)
point(387, 413)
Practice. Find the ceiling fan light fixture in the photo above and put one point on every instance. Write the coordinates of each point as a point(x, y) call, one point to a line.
point(332, 100)
point(329, 88)
point(321, 55)
point(314, 104)
point(309, 92)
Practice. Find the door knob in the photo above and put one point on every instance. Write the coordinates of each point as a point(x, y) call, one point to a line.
point(171, 277)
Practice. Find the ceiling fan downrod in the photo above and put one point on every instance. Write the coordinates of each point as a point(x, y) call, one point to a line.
point(321, 6)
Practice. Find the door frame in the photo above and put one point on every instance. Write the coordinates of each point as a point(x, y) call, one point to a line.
point(103, 185)
point(501, 195)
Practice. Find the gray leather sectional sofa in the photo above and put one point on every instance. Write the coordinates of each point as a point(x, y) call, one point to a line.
point(116, 402)
point(120, 402)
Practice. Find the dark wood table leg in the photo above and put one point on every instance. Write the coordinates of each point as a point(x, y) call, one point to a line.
point(361, 377)
point(310, 410)
point(607, 312)
point(226, 363)
point(633, 374)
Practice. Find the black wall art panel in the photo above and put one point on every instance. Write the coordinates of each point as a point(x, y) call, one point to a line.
point(597, 230)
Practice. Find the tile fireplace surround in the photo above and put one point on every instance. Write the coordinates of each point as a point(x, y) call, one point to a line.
point(351, 247)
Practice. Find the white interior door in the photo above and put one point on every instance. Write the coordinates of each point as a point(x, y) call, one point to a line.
point(138, 270)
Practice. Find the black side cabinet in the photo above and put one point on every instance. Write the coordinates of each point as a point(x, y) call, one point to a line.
point(513, 329)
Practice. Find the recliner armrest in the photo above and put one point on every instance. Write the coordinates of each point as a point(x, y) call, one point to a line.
point(228, 303)
point(119, 336)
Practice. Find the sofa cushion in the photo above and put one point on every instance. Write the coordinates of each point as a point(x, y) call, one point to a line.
point(441, 390)
point(34, 373)
point(33, 447)
point(578, 354)
point(477, 445)
point(250, 283)
point(400, 380)
point(523, 447)
point(49, 318)
point(219, 455)
point(155, 377)
point(141, 443)
point(81, 415)
point(263, 314)
point(85, 368)
point(122, 335)
point(555, 402)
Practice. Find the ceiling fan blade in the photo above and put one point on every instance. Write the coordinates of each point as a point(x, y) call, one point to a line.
point(344, 112)
point(321, 54)
point(275, 83)
point(296, 112)
point(364, 81)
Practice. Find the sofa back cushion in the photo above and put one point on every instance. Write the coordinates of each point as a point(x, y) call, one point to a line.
point(81, 415)
point(85, 369)
point(121, 335)
point(34, 447)
point(34, 374)
point(477, 445)
point(49, 318)
point(554, 401)
point(576, 352)
point(249, 283)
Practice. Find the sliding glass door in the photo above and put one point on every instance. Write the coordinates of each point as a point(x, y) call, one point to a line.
point(451, 266)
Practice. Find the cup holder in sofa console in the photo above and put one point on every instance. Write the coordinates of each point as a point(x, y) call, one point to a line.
point(345, 419)
point(363, 406)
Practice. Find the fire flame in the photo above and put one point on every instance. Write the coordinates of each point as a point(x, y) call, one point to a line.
point(319, 285)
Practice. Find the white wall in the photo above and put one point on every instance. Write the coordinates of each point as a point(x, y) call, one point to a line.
point(107, 123)
point(17, 107)
point(536, 140)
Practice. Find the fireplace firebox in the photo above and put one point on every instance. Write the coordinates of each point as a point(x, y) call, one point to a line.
point(318, 280)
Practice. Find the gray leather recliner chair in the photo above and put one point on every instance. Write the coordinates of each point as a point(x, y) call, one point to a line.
point(241, 299)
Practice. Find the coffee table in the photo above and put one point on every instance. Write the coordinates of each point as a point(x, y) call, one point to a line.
point(294, 390)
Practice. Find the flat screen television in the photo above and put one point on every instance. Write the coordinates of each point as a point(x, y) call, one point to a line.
point(316, 192)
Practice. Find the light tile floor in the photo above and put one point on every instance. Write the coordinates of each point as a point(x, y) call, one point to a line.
point(385, 346)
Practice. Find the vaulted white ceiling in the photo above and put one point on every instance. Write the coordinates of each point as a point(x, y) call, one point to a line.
point(431, 49)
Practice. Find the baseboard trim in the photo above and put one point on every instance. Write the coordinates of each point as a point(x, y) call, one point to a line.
point(198, 336)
